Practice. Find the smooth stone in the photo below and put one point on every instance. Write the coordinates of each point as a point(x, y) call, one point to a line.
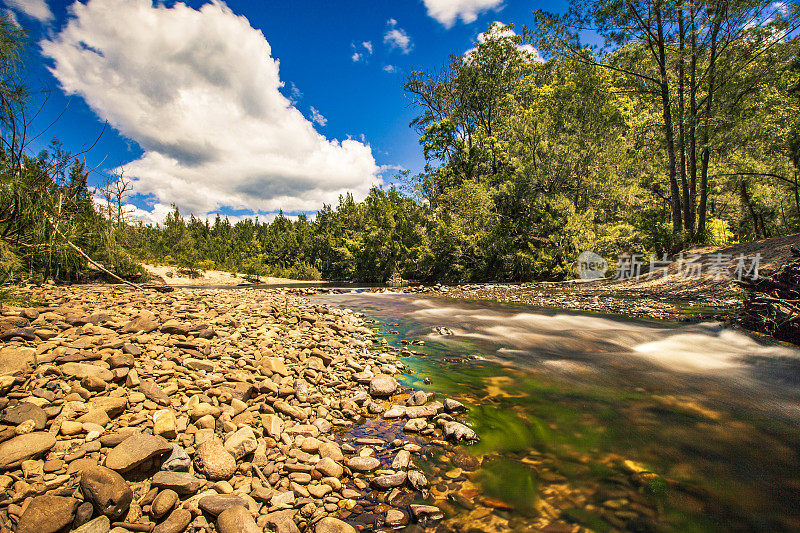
point(215, 504)
point(181, 482)
point(237, 519)
point(363, 464)
point(135, 450)
point(388, 481)
point(177, 460)
point(165, 424)
point(214, 461)
point(333, 525)
point(24, 447)
point(273, 425)
point(426, 512)
point(242, 442)
point(383, 385)
point(23, 411)
point(417, 479)
point(401, 460)
point(415, 424)
point(452, 406)
point(163, 503)
point(47, 514)
point(329, 468)
point(458, 432)
point(108, 492)
point(396, 518)
point(177, 521)
point(101, 524)
point(86, 370)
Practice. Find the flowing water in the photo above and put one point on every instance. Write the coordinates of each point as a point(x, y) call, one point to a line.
point(594, 420)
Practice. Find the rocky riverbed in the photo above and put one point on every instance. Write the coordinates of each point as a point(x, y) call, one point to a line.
point(206, 409)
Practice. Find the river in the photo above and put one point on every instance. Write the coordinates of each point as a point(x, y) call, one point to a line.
point(595, 420)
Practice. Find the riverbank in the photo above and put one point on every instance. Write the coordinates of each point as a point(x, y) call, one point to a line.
point(203, 408)
point(170, 275)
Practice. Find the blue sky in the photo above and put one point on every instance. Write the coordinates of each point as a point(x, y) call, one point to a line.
point(193, 97)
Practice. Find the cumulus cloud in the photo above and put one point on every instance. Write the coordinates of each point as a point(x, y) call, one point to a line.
point(397, 37)
point(499, 30)
point(447, 12)
point(37, 9)
point(317, 117)
point(362, 51)
point(200, 93)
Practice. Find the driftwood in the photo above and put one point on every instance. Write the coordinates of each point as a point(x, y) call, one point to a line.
point(772, 305)
point(157, 288)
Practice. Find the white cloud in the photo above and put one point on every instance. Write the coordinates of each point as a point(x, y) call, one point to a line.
point(317, 117)
point(200, 93)
point(397, 37)
point(390, 69)
point(361, 53)
point(37, 9)
point(447, 12)
point(499, 30)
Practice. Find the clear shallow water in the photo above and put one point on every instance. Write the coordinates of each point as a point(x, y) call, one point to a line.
point(603, 422)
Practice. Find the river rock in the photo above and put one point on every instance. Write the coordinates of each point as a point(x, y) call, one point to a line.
point(19, 413)
point(135, 450)
point(24, 447)
point(417, 479)
point(177, 460)
point(273, 425)
point(215, 504)
point(163, 503)
point(452, 406)
point(363, 464)
point(214, 461)
point(47, 514)
point(242, 442)
point(274, 365)
point(237, 519)
point(333, 525)
point(425, 513)
point(181, 482)
point(396, 518)
point(144, 323)
point(108, 492)
point(401, 460)
point(382, 385)
point(165, 424)
point(458, 432)
point(388, 481)
point(331, 450)
point(85, 370)
point(177, 521)
point(418, 398)
point(329, 468)
point(101, 524)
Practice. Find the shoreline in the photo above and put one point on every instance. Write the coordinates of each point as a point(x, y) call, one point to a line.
point(225, 402)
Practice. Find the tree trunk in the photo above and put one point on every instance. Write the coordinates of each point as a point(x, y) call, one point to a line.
point(675, 196)
point(701, 223)
point(692, 124)
point(687, 210)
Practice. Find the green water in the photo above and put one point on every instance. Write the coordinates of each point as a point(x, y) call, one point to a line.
point(608, 424)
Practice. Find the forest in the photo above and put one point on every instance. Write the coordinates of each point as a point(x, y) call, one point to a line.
point(646, 126)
